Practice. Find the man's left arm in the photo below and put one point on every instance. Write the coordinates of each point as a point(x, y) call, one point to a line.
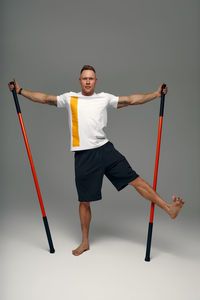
point(140, 98)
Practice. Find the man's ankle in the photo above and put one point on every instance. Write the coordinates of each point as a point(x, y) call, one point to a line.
point(85, 241)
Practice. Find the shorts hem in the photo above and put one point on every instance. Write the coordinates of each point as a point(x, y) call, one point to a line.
point(93, 200)
point(122, 186)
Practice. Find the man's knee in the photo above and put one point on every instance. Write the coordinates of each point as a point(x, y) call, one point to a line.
point(85, 204)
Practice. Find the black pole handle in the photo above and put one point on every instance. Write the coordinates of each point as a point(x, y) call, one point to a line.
point(15, 98)
point(162, 102)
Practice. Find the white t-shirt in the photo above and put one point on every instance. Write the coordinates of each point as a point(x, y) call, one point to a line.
point(87, 116)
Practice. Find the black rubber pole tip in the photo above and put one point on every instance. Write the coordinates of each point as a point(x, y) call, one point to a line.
point(147, 258)
point(46, 225)
point(149, 236)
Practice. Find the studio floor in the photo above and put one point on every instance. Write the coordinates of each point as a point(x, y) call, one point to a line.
point(113, 268)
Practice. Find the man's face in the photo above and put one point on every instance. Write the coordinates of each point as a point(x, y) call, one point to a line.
point(88, 81)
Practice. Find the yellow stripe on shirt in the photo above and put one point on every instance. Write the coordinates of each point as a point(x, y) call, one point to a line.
point(74, 110)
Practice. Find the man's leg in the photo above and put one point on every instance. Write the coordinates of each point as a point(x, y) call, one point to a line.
point(85, 218)
point(148, 192)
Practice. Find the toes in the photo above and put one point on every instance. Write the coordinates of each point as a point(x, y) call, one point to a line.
point(173, 198)
point(177, 200)
point(180, 200)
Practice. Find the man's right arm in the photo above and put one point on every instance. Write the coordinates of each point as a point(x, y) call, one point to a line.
point(35, 96)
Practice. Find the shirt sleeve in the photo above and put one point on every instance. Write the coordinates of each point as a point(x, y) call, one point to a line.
point(112, 100)
point(62, 100)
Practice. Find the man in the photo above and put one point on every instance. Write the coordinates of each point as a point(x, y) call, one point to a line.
point(95, 156)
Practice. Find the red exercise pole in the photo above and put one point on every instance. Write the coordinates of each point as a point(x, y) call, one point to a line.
point(46, 225)
point(150, 229)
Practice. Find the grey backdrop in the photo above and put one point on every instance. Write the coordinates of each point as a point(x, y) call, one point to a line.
point(134, 46)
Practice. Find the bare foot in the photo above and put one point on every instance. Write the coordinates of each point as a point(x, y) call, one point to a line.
point(83, 247)
point(175, 207)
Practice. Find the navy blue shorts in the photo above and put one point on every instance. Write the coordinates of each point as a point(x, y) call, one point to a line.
point(92, 164)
